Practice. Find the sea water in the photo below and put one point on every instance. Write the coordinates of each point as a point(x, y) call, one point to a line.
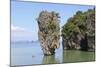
point(31, 54)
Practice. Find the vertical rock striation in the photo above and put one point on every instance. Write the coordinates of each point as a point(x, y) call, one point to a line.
point(49, 31)
point(79, 31)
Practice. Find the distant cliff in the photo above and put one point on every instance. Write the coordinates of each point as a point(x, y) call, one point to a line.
point(79, 31)
point(49, 31)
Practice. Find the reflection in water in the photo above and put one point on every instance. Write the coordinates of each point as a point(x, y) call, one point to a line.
point(77, 56)
point(31, 54)
point(49, 60)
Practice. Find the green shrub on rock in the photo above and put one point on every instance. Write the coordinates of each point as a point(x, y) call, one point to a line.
point(78, 28)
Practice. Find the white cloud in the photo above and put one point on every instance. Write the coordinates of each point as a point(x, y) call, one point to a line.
point(22, 34)
point(16, 28)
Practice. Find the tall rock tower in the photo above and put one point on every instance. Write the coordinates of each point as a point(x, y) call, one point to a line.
point(49, 31)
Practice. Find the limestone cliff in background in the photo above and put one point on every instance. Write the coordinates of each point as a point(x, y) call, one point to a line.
point(79, 31)
point(49, 31)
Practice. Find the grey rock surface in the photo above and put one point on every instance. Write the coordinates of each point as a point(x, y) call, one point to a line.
point(49, 31)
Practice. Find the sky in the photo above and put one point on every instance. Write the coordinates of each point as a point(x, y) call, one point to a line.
point(23, 17)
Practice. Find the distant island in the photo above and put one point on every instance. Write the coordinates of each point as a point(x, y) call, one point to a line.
point(31, 41)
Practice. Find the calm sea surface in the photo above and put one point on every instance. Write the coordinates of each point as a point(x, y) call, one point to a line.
point(31, 54)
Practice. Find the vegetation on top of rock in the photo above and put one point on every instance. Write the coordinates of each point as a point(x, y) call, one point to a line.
point(49, 31)
point(79, 29)
point(77, 23)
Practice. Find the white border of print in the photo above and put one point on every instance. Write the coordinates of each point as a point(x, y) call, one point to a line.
point(5, 33)
point(87, 2)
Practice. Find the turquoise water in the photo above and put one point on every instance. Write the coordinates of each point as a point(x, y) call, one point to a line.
point(31, 54)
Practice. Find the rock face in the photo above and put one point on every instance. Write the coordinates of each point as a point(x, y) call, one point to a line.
point(79, 31)
point(49, 31)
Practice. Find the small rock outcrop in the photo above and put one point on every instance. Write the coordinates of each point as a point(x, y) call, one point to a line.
point(79, 31)
point(49, 31)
